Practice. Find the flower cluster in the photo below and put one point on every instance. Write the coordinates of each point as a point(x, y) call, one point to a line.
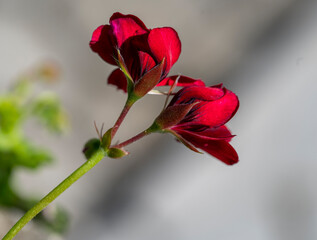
point(197, 114)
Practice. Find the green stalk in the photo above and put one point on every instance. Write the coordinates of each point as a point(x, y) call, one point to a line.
point(28, 216)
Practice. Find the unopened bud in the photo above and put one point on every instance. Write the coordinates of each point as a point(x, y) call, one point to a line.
point(173, 115)
point(116, 153)
point(91, 147)
point(149, 80)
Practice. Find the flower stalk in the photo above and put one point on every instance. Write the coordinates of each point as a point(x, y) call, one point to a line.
point(51, 196)
point(133, 139)
point(120, 119)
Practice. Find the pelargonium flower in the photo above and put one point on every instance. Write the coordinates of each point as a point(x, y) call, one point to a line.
point(141, 48)
point(197, 116)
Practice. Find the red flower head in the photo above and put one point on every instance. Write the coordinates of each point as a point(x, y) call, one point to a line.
point(141, 49)
point(196, 116)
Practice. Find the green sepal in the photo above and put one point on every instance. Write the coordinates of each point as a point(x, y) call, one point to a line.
point(106, 139)
point(116, 153)
point(91, 147)
point(123, 67)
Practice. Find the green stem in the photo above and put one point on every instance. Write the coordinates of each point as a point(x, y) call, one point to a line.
point(28, 216)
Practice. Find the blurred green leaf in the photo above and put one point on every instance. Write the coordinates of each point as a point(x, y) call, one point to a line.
point(48, 110)
point(17, 105)
point(10, 114)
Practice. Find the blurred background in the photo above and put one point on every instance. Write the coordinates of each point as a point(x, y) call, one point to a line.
point(263, 50)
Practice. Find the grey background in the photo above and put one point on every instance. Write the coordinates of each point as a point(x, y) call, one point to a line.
point(263, 50)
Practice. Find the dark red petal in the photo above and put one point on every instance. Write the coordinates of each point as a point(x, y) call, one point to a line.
point(165, 43)
point(217, 148)
point(220, 133)
point(146, 62)
point(138, 21)
point(118, 79)
point(135, 53)
point(197, 93)
point(221, 150)
point(103, 43)
point(126, 26)
point(183, 81)
point(216, 113)
point(183, 141)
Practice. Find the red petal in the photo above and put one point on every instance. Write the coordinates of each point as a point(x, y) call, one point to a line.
point(146, 62)
point(102, 42)
point(197, 93)
point(118, 79)
point(183, 141)
point(183, 81)
point(135, 53)
point(218, 112)
point(126, 26)
point(220, 133)
point(165, 43)
point(219, 149)
point(137, 20)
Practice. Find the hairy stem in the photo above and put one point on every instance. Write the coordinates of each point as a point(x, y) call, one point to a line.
point(124, 112)
point(132, 140)
point(28, 216)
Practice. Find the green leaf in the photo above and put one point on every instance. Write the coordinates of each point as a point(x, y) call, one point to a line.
point(50, 113)
point(10, 114)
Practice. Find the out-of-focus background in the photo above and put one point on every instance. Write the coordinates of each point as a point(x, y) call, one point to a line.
point(263, 50)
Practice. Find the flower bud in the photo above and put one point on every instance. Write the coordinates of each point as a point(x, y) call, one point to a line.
point(91, 147)
point(173, 115)
point(116, 153)
point(148, 81)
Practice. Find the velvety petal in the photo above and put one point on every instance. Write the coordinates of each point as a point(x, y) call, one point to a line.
point(183, 81)
point(197, 93)
point(135, 54)
point(183, 141)
point(218, 148)
point(126, 26)
point(118, 79)
point(215, 113)
point(146, 62)
point(103, 43)
point(137, 20)
point(164, 43)
point(220, 133)
point(204, 132)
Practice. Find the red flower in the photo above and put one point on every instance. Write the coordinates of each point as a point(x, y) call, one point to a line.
point(196, 116)
point(141, 48)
